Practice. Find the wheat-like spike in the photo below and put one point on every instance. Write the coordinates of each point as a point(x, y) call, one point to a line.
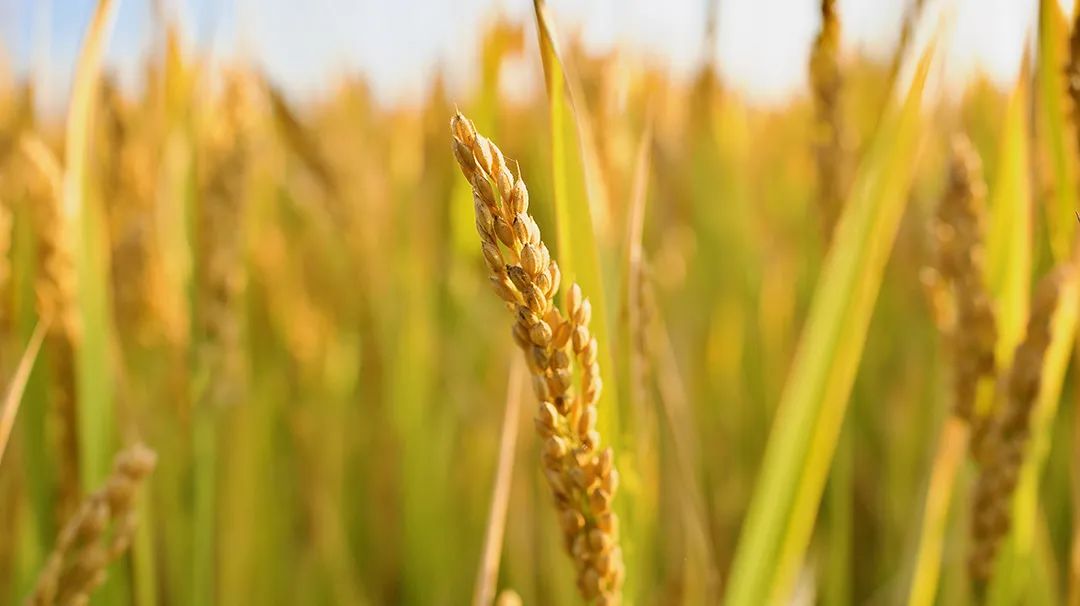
point(128, 191)
point(55, 286)
point(582, 477)
point(826, 82)
point(1006, 441)
point(959, 233)
point(55, 294)
point(99, 532)
point(221, 278)
point(18, 118)
point(508, 597)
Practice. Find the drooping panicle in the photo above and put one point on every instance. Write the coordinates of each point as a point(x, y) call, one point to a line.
point(99, 532)
point(959, 232)
point(1005, 445)
point(580, 473)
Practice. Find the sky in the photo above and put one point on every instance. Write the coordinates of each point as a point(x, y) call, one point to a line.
point(761, 46)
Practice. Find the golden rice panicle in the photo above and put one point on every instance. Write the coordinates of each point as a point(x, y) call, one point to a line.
point(128, 186)
point(55, 295)
point(97, 534)
point(220, 257)
point(582, 477)
point(10, 125)
point(959, 233)
point(54, 288)
point(826, 82)
point(1007, 437)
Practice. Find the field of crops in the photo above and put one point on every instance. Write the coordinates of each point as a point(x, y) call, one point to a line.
point(629, 339)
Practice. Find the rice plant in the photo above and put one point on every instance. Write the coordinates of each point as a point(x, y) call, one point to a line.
point(579, 330)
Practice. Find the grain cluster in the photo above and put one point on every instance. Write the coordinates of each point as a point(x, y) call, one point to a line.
point(221, 278)
point(99, 532)
point(1007, 436)
point(580, 473)
point(959, 233)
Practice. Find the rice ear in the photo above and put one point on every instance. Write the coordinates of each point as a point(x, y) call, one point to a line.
point(578, 471)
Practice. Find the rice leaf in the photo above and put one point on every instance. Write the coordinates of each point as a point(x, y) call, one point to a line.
point(951, 451)
point(1008, 239)
point(1054, 126)
point(577, 215)
point(89, 243)
point(578, 250)
point(812, 407)
point(14, 393)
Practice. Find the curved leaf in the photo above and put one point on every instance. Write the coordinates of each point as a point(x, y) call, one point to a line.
point(812, 407)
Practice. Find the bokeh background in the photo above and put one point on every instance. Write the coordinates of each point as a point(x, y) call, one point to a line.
point(281, 292)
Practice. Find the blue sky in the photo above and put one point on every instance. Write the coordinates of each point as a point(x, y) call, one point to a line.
point(397, 44)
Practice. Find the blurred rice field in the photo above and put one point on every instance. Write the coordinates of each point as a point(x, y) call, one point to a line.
point(287, 303)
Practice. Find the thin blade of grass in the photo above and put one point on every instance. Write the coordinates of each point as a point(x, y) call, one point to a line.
point(488, 573)
point(812, 407)
point(88, 242)
point(632, 271)
point(677, 411)
point(1055, 133)
point(84, 225)
point(17, 385)
point(578, 254)
point(576, 241)
point(951, 451)
point(1008, 239)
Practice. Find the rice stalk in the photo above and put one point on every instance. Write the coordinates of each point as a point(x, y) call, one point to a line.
point(1072, 81)
point(1055, 131)
point(833, 174)
point(98, 533)
point(678, 413)
point(951, 452)
point(17, 385)
point(907, 33)
point(581, 475)
point(488, 572)
point(82, 235)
